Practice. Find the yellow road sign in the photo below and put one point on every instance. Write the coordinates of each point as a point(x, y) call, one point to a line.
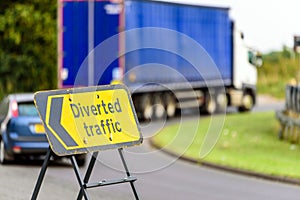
point(88, 119)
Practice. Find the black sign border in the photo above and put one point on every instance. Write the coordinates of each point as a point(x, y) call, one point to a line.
point(41, 98)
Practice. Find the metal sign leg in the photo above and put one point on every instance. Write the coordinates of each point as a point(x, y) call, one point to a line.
point(42, 175)
point(84, 185)
point(128, 173)
point(88, 173)
point(79, 179)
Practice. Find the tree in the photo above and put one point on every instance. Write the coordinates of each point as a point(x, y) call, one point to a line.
point(28, 38)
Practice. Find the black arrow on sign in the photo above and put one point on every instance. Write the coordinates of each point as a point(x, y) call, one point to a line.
point(54, 122)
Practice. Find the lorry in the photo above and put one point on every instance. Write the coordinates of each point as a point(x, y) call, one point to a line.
point(170, 55)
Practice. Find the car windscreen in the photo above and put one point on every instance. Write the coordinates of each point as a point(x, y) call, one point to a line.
point(27, 109)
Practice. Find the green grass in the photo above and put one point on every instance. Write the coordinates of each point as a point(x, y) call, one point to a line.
point(247, 141)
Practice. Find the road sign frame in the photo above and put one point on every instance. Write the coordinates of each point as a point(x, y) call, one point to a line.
point(49, 104)
point(84, 183)
point(59, 137)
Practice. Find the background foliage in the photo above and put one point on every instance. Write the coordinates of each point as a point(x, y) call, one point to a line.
point(28, 55)
point(279, 69)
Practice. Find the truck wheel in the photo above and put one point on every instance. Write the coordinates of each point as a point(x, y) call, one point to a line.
point(146, 107)
point(159, 109)
point(3, 156)
point(170, 105)
point(210, 104)
point(247, 103)
point(222, 102)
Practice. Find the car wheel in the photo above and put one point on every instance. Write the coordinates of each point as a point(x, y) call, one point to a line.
point(80, 159)
point(3, 159)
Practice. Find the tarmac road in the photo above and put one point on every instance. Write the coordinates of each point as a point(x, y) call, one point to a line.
point(159, 177)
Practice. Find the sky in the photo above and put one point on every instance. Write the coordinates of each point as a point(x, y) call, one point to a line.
point(267, 25)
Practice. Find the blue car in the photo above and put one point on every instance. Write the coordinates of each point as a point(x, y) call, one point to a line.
point(22, 134)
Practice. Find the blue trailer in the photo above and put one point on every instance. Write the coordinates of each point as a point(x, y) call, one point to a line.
point(170, 55)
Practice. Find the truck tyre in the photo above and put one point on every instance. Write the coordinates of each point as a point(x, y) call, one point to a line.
point(222, 102)
point(210, 104)
point(247, 102)
point(170, 105)
point(159, 109)
point(146, 107)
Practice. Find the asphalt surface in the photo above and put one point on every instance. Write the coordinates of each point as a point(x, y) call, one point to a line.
point(160, 176)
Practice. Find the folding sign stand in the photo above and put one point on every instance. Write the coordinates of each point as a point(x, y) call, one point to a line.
point(84, 183)
point(109, 113)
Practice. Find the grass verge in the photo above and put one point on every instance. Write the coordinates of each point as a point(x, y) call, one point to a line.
point(247, 141)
